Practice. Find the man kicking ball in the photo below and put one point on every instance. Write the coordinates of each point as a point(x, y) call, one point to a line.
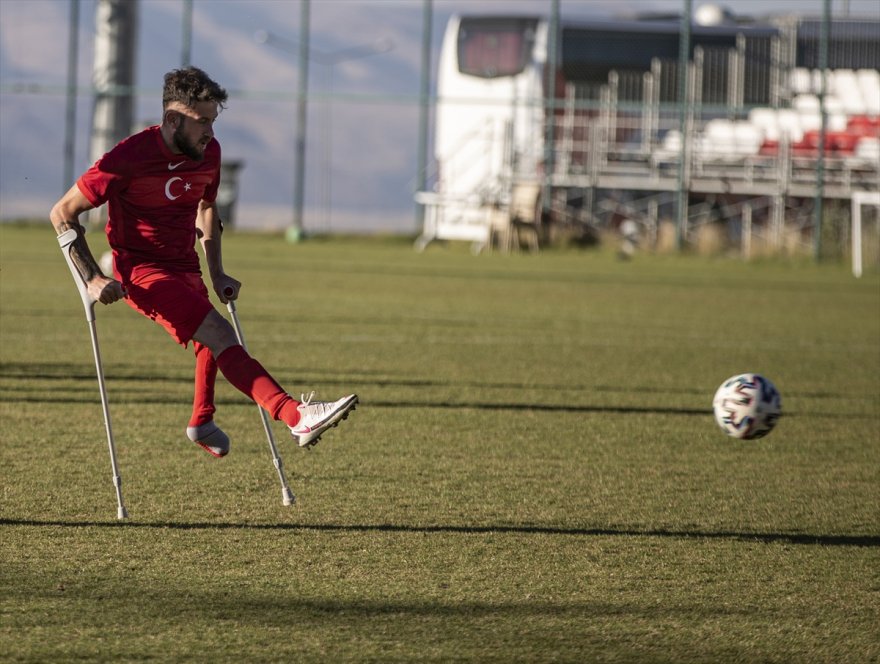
point(160, 186)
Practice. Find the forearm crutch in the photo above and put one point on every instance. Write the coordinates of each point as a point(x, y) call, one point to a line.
point(287, 497)
point(66, 240)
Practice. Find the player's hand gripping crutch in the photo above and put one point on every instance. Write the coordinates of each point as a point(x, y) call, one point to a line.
point(66, 240)
point(287, 496)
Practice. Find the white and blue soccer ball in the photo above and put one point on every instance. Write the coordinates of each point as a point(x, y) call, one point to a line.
point(747, 406)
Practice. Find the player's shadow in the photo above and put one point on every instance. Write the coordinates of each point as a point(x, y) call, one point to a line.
point(370, 380)
point(134, 373)
point(870, 541)
point(122, 394)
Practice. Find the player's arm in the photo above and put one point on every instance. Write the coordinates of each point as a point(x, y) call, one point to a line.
point(64, 216)
point(209, 228)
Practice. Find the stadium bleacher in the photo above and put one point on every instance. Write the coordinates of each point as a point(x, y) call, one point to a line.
point(852, 108)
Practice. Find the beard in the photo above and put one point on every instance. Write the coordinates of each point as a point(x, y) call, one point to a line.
point(187, 147)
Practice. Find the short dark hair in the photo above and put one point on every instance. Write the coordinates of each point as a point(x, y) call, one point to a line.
point(189, 86)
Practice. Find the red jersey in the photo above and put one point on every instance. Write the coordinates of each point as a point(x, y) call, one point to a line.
point(153, 196)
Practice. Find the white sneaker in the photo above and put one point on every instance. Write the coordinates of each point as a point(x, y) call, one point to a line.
point(318, 416)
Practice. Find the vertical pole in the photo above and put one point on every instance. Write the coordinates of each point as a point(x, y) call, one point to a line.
point(684, 48)
point(294, 233)
point(186, 37)
point(654, 101)
point(328, 147)
point(550, 103)
point(647, 112)
point(70, 113)
point(856, 206)
point(775, 72)
point(740, 73)
point(820, 160)
point(747, 230)
point(116, 32)
point(424, 110)
point(783, 185)
point(695, 90)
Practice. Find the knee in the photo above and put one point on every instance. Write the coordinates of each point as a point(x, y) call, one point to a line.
point(216, 333)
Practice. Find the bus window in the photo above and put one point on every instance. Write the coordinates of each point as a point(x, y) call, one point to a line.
point(494, 47)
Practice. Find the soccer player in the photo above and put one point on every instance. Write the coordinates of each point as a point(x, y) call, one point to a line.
point(160, 186)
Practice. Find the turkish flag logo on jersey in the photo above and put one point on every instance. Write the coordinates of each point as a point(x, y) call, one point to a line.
point(175, 187)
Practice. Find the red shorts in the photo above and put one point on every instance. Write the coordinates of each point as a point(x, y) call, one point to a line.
point(178, 301)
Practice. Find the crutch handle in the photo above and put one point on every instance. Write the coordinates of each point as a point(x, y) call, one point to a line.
point(230, 304)
point(66, 240)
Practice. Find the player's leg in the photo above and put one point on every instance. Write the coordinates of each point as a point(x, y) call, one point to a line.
point(179, 302)
point(172, 299)
point(244, 372)
point(201, 428)
point(205, 377)
point(307, 420)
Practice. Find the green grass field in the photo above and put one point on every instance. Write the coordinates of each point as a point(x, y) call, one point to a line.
point(533, 474)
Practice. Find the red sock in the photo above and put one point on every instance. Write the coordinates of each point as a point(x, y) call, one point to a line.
point(206, 374)
point(248, 376)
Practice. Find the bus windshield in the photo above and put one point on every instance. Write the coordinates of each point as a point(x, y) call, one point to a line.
point(494, 47)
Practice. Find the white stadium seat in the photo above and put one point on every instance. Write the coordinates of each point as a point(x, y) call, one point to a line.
point(724, 139)
point(868, 148)
point(810, 120)
point(748, 138)
point(789, 123)
point(869, 86)
point(837, 122)
point(765, 120)
point(806, 103)
point(672, 140)
point(833, 104)
point(842, 81)
point(801, 81)
point(844, 86)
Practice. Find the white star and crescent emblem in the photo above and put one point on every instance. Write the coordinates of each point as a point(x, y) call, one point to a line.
point(186, 187)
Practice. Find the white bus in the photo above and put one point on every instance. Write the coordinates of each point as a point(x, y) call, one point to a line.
point(494, 91)
point(488, 113)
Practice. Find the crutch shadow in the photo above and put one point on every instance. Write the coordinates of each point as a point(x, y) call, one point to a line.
point(811, 539)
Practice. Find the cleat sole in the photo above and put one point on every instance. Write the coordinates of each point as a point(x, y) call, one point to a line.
point(216, 455)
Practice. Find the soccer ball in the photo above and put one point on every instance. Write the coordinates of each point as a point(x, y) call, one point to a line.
point(747, 406)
